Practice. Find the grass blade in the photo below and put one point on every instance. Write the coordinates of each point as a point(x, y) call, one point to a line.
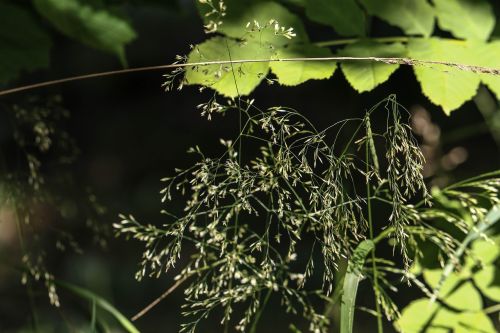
point(100, 302)
point(491, 218)
point(93, 317)
point(351, 281)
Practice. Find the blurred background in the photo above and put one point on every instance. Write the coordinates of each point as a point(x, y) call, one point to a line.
point(116, 137)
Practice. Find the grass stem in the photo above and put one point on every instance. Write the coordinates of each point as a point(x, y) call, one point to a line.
point(370, 149)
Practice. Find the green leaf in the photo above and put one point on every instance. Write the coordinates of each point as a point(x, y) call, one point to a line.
point(458, 292)
point(465, 297)
point(468, 19)
point(100, 302)
point(488, 281)
point(95, 27)
point(443, 85)
point(455, 291)
point(296, 72)
point(425, 316)
point(432, 277)
point(488, 56)
point(486, 250)
point(222, 78)
point(301, 3)
point(474, 322)
point(23, 44)
point(414, 17)
point(240, 12)
point(351, 281)
point(423, 313)
point(364, 76)
point(345, 16)
point(474, 233)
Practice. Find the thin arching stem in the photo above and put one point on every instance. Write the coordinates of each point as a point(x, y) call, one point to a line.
point(160, 298)
point(390, 61)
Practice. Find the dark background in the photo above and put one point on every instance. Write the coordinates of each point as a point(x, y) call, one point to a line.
point(131, 134)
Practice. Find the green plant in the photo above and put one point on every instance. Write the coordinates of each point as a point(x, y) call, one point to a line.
point(301, 182)
point(287, 204)
point(444, 86)
point(42, 205)
point(246, 215)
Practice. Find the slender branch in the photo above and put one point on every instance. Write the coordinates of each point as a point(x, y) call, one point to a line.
point(253, 329)
point(389, 39)
point(383, 234)
point(337, 42)
point(171, 289)
point(492, 309)
point(159, 299)
point(85, 77)
point(390, 61)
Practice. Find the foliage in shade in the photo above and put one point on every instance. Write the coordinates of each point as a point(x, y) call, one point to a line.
point(21, 49)
point(488, 54)
point(94, 26)
point(345, 16)
point(448, 87)
point(459, 305)
point(240, 12)
point(456, 291)
point(423, 314)
point(300, 191)
point(488, 281)
point(366, 76)
point(465, 18)
point(414, 17)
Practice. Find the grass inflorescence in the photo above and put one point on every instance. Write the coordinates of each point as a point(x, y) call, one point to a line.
point(246, 213)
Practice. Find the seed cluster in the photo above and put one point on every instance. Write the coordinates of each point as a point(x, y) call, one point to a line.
point(244, 214)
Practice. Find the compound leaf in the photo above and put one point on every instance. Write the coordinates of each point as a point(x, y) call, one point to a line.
point(443, 85)
point(414, 17)
point(229, 80)
point(345, 16)
point(423, 313)
point(465, 297)
point(93, 26)
point(488, 56)
point(456, 291)
point(488, 281)
point(473, 322)
point(468, 19)
point(241, 12)
point(23, 45)
point(297, 72)
point(364, 76)
point(486, 250)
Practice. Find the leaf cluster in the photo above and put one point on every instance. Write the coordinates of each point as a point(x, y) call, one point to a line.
point(470, 23)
